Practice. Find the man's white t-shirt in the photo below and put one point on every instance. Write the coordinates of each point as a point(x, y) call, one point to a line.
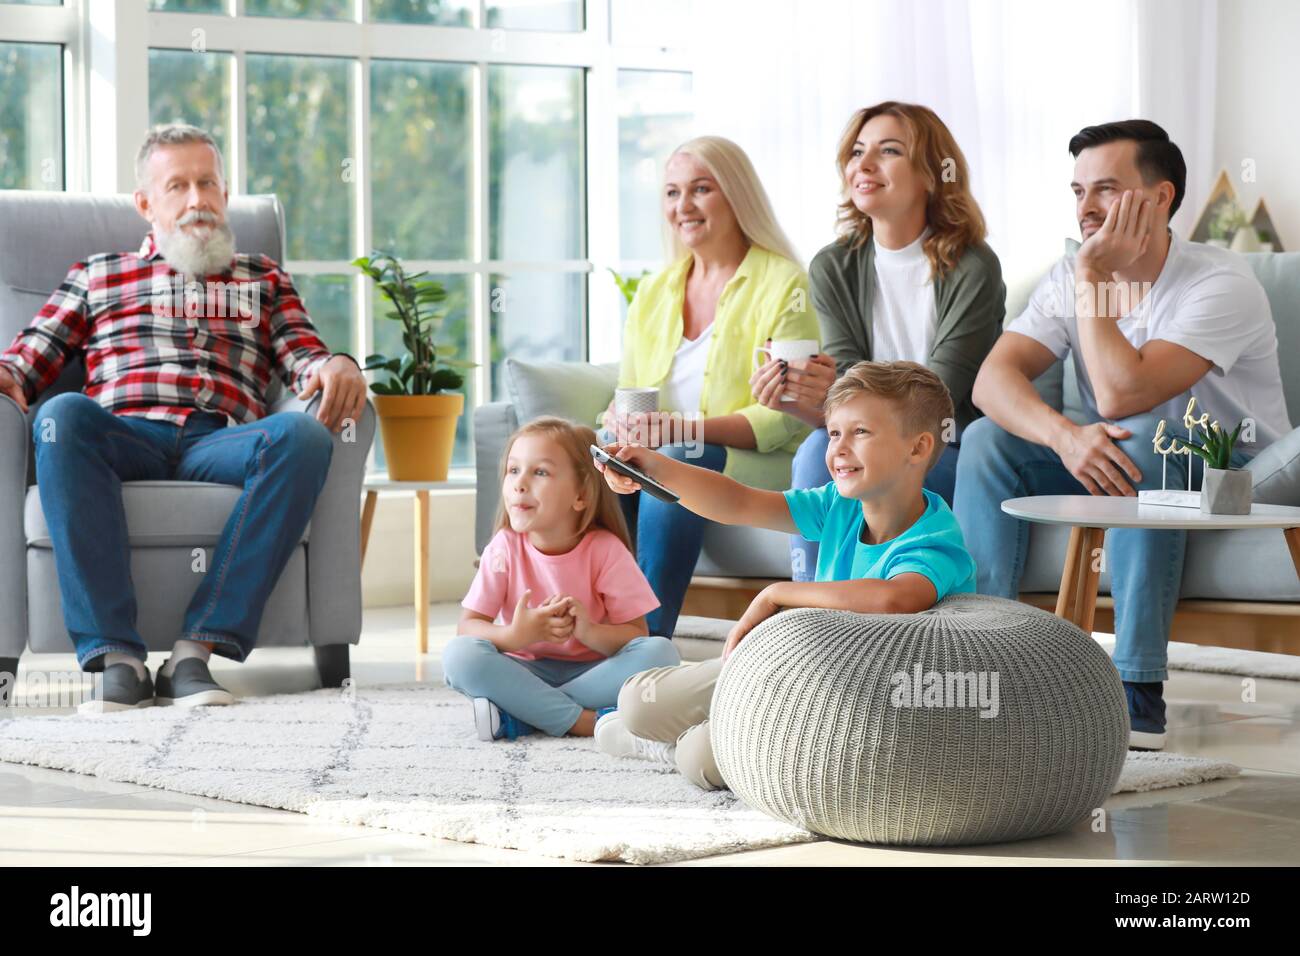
point(682, 388)
point(904, 315)
point(1207, 300)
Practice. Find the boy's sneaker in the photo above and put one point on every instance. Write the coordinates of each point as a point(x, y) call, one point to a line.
point(493, 723)
point(120, 689)
point(1146, 714)
point(191, 685)
point(613, 738)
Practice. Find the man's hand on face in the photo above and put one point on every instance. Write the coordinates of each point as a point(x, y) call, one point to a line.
point(343, 392)
point(1122, 238)
point(11, 387)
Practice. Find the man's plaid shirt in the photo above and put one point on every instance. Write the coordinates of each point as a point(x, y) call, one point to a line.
point(159, 349)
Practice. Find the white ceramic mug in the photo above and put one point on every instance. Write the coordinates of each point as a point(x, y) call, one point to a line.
point(788, 350)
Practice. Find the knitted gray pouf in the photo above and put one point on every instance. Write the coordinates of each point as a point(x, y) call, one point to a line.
point(980, 720)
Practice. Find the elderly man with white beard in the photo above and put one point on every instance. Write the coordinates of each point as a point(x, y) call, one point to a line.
point(176, 394)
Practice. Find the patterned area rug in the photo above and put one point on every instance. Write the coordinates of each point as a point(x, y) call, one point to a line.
point(404, 757)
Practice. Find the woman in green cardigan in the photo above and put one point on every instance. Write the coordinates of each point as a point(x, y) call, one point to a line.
point(909, 278)
point(731, 285)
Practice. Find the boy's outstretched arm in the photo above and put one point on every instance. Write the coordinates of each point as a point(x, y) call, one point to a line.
point(707, 493)
point(907, 593)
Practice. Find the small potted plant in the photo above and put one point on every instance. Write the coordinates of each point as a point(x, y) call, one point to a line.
point(417, 403)
point(1224, 490)
point(1227, 220)
point(628, 286)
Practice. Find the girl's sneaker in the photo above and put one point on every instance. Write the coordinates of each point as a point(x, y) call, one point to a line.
point(493, 723)
point(613, 738)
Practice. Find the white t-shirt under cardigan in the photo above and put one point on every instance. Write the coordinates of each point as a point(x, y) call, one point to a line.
point(904, 315)
point(685, 382)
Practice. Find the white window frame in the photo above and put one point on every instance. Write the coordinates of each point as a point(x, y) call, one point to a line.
point(61, 25)
point(107, 45)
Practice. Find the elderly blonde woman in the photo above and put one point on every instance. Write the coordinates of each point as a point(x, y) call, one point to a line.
point(732, 284)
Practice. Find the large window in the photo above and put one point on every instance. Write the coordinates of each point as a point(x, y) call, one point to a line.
point(508, 148)
point(31, 116)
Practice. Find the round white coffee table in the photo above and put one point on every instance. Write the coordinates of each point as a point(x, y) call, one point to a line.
point(1090, 515)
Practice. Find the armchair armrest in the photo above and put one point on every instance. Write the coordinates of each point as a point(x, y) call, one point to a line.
point(493, 424)
point(15, 449)
point(334, 541)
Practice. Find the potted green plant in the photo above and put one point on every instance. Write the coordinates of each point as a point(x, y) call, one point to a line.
point(1224, 490)
point(628, 286)
point(1228, 218)
point(417, 403)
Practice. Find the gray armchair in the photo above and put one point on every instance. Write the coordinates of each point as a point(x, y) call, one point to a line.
point(317, 600)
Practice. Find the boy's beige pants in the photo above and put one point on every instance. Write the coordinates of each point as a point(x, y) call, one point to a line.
point(671, 704)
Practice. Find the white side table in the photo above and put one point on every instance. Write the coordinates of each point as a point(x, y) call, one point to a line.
point(1090, 515)
point(373, 486)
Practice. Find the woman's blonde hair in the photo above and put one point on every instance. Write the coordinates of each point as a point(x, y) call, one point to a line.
point(728, 164)
point(951, 211)
point(602, 508)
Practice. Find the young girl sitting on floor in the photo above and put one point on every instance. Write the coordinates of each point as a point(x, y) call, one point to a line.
point(554, 622)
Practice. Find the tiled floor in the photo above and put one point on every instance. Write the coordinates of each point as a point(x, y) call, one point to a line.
point(50, 817)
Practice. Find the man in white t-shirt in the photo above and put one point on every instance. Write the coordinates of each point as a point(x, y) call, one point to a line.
point(1147, 318)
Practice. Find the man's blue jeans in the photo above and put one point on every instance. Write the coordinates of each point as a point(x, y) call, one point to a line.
point(549, 694)
point(84, 453)
point(668, 537)
point(1146, 567)
point(809, 470)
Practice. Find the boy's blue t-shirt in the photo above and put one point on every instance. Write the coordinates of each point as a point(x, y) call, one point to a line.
point(933, 546)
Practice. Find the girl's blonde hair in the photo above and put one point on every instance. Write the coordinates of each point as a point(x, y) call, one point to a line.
point(951, 211)
point(602, 509)
point(734, 173)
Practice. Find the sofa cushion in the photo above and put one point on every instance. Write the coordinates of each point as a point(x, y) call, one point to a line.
point(159, 514)
point(1276, 471)
point(1279, 274)
point(165, 584)
point(577, 391)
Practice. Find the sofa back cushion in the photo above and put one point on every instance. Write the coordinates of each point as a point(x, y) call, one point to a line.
point(578, 391)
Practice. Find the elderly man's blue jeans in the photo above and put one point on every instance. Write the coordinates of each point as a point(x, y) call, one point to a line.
point(808, 470)
point(1146, 567)
point(84, 453)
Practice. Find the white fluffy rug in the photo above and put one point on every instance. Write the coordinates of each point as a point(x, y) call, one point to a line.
point(1223, 660)
point(404, 756)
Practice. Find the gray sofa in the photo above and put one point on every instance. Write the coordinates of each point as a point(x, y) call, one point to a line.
point(1251, 566)
point(317, 600)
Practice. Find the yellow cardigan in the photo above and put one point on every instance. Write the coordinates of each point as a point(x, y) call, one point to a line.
point(766, 298)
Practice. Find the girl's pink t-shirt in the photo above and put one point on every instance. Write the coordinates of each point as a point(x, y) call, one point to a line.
point(600, 572)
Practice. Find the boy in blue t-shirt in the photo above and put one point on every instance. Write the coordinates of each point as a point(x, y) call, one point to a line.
point(887, 544)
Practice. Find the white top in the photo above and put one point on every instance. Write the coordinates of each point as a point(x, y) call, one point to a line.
point(904, 316)
point(1098, 511)
point(1205, 299)
point(682, 388)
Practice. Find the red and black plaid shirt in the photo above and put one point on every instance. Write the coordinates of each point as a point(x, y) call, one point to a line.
point(157, 348)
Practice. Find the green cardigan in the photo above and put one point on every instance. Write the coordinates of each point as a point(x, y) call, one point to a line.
point(970, 305)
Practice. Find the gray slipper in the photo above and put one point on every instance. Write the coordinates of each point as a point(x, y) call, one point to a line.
point(190, 685)
point(120, 689)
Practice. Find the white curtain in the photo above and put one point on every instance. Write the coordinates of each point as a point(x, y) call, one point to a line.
point(1013, 79)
